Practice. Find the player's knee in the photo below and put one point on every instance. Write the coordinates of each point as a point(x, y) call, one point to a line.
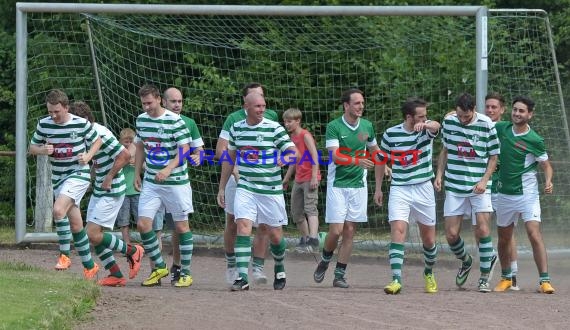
point(452, 237)
point(59, 211)
point(144, 226)
point(95, 235)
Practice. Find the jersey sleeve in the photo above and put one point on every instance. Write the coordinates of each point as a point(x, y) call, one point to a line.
point(225, 133)
point(194, 134)
point(90, 133)
point(384, 147)
point(281, 139)
point(111, 145)
point(39, 136)
point(493, 146)
point(331, 136)
point(371, 142)
point(231, 138)
point(445, 133)
point(181, 133)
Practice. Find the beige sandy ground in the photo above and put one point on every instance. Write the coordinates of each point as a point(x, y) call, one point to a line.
point(208, 304)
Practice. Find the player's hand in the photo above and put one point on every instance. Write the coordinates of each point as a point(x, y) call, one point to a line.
point(480, 187)
point(285, 184)
point(48, 149)
point(388, 173)
point(106, 185)
point(437, 184)
point(548, 188)
point(137, 183)
point(221, 198)
point(162, 174)
point(378, 197)
point(195, 160)
point(366, 164)
point(313, 184)
point(83, 158)
point(419, 127)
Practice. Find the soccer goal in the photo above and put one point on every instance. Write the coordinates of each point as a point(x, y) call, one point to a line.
point(304, 56)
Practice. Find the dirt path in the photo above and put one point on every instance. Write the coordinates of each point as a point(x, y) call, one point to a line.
point(208, 304)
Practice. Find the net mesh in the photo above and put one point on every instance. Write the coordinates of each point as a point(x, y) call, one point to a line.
point(304, 62)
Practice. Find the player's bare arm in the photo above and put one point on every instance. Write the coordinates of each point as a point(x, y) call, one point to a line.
point(441, 163)
point(548, 174)
point(85, 157)
point(221, 147)
point(289, 156)
point(481, 186)
point(139, 163)
point(41, 149)
point(121, 161)
point(379, 173)
point(227, 169)
point(174, 163)
point(288, 176)
point(312, 147)
point(431, 126)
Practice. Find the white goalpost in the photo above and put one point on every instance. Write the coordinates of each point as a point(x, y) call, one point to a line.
point(304, 55)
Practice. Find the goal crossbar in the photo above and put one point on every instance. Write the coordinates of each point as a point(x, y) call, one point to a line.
point(249, 10)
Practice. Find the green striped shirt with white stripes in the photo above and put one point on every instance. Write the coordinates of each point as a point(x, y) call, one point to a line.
point(162, 136)
point(103, 162)
point(258, 148)
point(409, 154)
point(69, 140)
point(468, 150)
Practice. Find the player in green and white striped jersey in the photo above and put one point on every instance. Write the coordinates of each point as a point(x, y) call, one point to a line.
point(494, 109)
point(260, 239)
point(162, 141)
point(347, 139)
point(63, 137)
point(172, 100)
point(259, 147)
point(106, 200)
point(408, 148)
point(522, 149)
point(469, 157)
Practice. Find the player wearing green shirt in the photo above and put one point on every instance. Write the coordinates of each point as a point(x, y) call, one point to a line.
point(172, 100)
point(348, 138)
point(258, 147)
point(106, 200)
point(494, 109)
point(468, 159)
point(260, 240)
point(408, 149)
point(65, 137)
point(162, 138)
point(522, 149)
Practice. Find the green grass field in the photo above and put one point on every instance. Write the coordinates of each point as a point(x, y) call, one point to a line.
point(33, 298)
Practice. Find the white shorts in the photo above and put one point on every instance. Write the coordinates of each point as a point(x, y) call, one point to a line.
point(512, 207)
point(177, 200)
point(73, 188)
point(103, 210)
point(458, 205)
point(346, 204)
point(416, 201)
point(494, 197)
point(260, 209)
point(230, 194)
